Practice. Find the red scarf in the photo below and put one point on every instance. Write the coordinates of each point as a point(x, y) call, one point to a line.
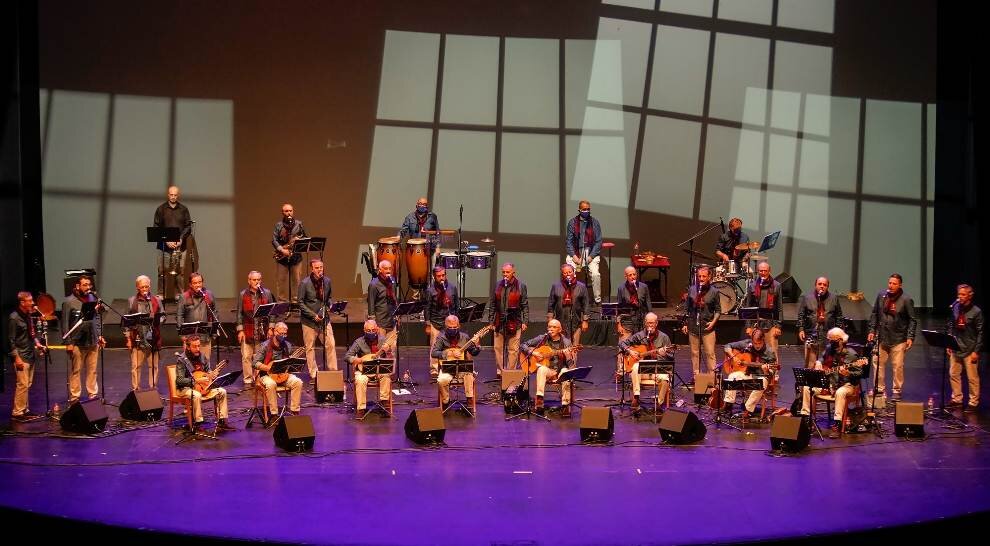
point(152, 299)
point(389, 290)
point(821, 306)
point(443, 299)
point(30, 323)
point(890, 301)
point(421, 220)
point(633, 294)
point(247, 309)
point(651, 339)
point(589, 232)
point(568, 293)
point(699, 299)
point(960, 317)
point(318, 284)
point(513, 287)
point(770, 294)
point(206, 297)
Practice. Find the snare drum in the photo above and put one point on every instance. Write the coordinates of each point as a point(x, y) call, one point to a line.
point(449, 260)
point(388, 249)
point(479, 260)
point(718, 275)
point(417, 261)
point(726, 297)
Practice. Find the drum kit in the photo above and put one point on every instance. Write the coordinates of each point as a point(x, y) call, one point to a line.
point(726, 277)
point(415, 258)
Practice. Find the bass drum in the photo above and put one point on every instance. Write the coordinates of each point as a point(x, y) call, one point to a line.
point(417, 261)
point(46, 306)
point(388, 249)
point(727, 300)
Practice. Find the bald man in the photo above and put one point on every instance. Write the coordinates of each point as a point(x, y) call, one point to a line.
point(173, 214)
point(290, 267)
point(550, 368)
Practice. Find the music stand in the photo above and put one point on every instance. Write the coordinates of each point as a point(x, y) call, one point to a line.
point(944, 341)
point(404, 309)
point(379, 366)
point(455, 368)
point(196, 328)
point(470, 313)
point(769, 241)
point(161, 236)
point(610, 310)
point(813, 379)
point(577, 373)
point(530, 398)
point(659, 367)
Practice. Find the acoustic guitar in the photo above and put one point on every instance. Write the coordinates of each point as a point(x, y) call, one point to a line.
point(531, 363)
point(629, 359)
point(460, 353)
point(204, 387)
point(280, 378)
point(386, 348)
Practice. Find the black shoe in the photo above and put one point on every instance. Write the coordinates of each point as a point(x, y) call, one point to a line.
point(970, 409)
point(833, 432)
point(222, 424)
point(540, 410)
point(565, 412)
point(359, 414)
point(953, 405)
point(446, 405)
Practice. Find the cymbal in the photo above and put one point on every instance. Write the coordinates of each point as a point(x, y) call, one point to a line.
point(752, 245)
point(757, 257)
point(488, 240)
point(698, 254)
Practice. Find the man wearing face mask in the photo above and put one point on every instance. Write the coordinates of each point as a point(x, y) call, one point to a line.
point(703, 313)
point(453, 338)
point(197, 304)
point(818, 312)
point(584, 245)
point(422, 218)
point(568, 303)
point(144, 342)
point(365, 348)
point(508, 311)
point(847, 370)
point(289, 269)
point(893, 323)
point(727, 246)
point(84, 343)
point(314, 300)
point(966, 325)
point(382, 293)
point(549, 368)
point(764, 293)
point(761, 357)
point(277, 348)
point(654, 340)
point(441, 302)
point(250, 331)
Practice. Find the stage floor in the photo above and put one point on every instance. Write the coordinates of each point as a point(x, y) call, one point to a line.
point(523, 481)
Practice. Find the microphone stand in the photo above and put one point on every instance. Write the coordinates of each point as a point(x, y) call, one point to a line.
point(690, 242)
point(212, 315)
point(103, 368)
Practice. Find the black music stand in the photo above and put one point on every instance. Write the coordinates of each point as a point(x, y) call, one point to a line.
point(659, 367)
point(455, 368)
point(264, 314)
point(944, 341)
point(196, 328)
point(757, 314)
point(404, 309)
point(161, 236)
point(378, 367)
point(530, 398)
point(290, 365)
point(471, 312)
point(337, 308)
point(144, 319)
point(813, 379)
point(610, 310)
point(577, 373)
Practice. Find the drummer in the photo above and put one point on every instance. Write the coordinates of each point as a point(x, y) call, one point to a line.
point(422, 219)
point(733, 247)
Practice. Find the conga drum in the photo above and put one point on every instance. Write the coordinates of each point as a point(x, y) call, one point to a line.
point(46, 306)
point(418, 261)
point(388, 249)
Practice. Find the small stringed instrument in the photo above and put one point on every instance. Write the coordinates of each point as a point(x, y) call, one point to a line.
point(386, 348)
point(629, 359)
point(531, 363)
point(203, 379)
point(739, 361)
point(280, 378)
point(460, 353)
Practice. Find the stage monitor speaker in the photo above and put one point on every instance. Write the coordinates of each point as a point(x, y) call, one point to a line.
point(330, 387)
point(425, 426)
point(597, 425)
point(142, 406)
point(295, 433)
point(681, 427)
point(790, 434)
point(909, 420)
point(790, 292)
point(88, 417)
point(513, 390)
point(702, 387)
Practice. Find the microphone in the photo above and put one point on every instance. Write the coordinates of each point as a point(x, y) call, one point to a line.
point(722, 223)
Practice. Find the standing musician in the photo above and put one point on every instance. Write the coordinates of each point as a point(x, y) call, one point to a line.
point(893, 323)
point(277, 348)
point(192, 377)
point(653, 343)
point(703, 313)
point(85, 342)
point(382, 294)
point(584, 245)
point(441, 302)
point(197, 304)
point(173, 214)
point(818, 312)
point(557, 355)
point(251, 332)
point(727, 247)
point(25, 345)
point(764, 293)
point(365, 348)
point(453, 345)
point(144, 342)
point(742, 358)
point(847, 369)
point(568, 303)
point(508, 311)
point(421, 219)
point(634, 303)
point(287, 231)
point(967, 328)
point(314, 302)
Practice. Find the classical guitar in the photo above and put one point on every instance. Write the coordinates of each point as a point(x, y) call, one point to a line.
point(387, 346)
point(531, 363)
point(280, 378)
point(460, 353)
point(629, 359)
point(203, 380)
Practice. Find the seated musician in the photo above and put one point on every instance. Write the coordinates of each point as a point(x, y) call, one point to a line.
point(552, 351)
point(847, 369)
point(193, 376)
point(277, 347)
point(452, 344)
point(742, 359)
point(366, 348)
point(649, 342)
